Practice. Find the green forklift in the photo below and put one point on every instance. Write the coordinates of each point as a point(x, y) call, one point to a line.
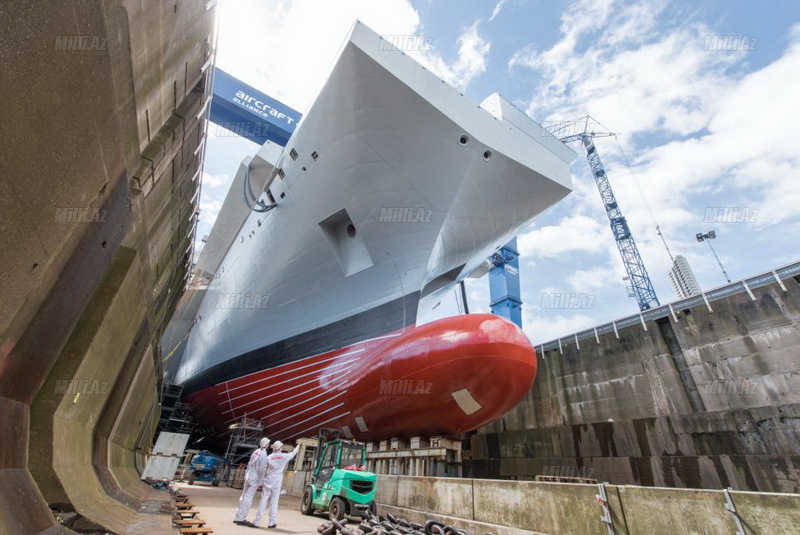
point(338, 483)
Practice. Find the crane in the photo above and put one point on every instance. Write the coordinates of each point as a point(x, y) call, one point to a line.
point(637, 273)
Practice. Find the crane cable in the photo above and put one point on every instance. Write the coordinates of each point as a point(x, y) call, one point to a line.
point(644, 198)
point(662, 276)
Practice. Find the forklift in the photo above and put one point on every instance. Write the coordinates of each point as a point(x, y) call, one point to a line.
point(338, 482)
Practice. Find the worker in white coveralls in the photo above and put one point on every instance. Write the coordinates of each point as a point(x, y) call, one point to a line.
point(272, 483)
point(256, 471)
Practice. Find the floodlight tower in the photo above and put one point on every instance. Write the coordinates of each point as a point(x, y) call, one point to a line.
point(707, 237)
point(637, 274)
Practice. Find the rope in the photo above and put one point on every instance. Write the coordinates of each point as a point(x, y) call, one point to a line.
point(644, 198)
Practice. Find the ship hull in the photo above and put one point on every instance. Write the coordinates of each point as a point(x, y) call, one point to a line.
point(442, 378)
point(393, 189)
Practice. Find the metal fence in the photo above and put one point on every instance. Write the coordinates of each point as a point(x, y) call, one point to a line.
point(776, 276)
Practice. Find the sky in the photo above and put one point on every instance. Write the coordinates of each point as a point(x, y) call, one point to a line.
point(703, 97)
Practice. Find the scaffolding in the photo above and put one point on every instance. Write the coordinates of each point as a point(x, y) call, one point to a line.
point(176, 416)
point(245, 436)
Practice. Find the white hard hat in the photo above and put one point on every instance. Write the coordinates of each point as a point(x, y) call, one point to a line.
point(264, 442)
point(277, 445)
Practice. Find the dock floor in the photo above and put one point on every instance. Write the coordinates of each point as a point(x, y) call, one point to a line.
point(218, 504)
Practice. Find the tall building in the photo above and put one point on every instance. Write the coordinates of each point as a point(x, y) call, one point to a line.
point(682, 278)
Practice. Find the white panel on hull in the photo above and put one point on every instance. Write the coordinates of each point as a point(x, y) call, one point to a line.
point(466, 402)
point(362, 425)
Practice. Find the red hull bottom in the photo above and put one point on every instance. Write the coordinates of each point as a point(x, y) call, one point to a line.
point(442, 378)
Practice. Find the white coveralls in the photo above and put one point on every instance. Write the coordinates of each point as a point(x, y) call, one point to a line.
point(272, 483)
point(256, 470)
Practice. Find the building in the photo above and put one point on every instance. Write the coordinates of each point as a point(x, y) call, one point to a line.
point(683, 279)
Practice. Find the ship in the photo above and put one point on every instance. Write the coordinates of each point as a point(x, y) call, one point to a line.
point(330, 252)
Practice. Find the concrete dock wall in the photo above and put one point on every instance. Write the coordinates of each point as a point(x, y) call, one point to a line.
point(525, 507)
point(97, 205)
point(708, 401)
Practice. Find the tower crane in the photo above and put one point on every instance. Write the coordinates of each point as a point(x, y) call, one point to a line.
point(637, 274)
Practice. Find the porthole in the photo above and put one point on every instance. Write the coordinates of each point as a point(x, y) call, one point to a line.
point(487, 155)
point(463, 140)
point(351, 231)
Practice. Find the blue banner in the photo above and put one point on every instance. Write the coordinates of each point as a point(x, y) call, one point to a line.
point(247, 112)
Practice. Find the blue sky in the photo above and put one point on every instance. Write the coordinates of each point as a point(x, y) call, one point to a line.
point(700, 128)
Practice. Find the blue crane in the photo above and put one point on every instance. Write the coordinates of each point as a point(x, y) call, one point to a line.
point(504, 283)
point(637, 274)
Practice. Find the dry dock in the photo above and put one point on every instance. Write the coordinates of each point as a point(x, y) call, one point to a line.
point(99, 189)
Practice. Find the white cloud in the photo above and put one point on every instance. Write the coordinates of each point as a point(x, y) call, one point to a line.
point(574, 233)
point(543, 328)
point(287, 48)
point(215, 181)
point(209, 209)
point(700, 128)
point(595, 278)
point(471, 62)
point(497, 8)
point(633, 77)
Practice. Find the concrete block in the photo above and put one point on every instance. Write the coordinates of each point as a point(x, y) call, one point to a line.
point(446, 496)
point(777, 513)
point(654, 510)
point(386, 492)
point(419, 442)
point(545, 507)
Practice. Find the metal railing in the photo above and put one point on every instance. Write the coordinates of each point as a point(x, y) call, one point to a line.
point(775, 276)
